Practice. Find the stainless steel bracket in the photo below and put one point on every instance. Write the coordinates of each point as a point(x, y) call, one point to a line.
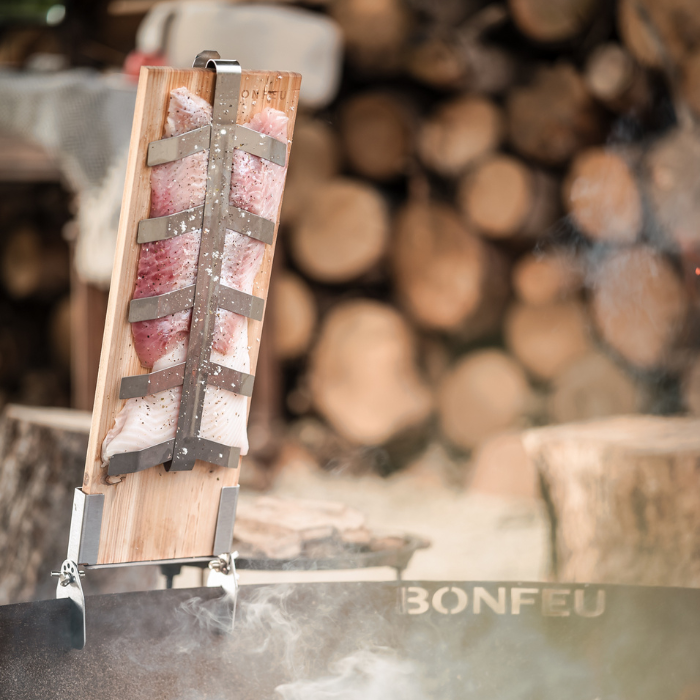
point(226, 519)
point(85, 526)
point(220, 140)
point(69, 586)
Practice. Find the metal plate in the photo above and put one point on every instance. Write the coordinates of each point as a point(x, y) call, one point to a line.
point(130, 462)
point(213, 452)
point(436, 640)
point(252, 225)
point(241, 303)
point(145, 384)
point(261, 145)
point(176, 147)
point(150, 308)
point(230, 379)
point(161, 228)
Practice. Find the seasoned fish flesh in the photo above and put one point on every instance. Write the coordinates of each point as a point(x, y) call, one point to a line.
point(164, 266)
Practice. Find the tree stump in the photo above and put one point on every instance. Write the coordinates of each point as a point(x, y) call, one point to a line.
point(42, 458)
point(623, 496)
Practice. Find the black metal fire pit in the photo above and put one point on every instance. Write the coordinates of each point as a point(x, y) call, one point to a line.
point(480, 641)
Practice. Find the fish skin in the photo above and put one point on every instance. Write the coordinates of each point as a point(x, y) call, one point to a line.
point(164, 266)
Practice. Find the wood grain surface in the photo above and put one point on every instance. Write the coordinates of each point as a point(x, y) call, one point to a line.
point(154, 514)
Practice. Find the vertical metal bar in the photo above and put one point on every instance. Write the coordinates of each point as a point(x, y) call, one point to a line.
point(221, 148)
point(225, 520)
point(85, 526)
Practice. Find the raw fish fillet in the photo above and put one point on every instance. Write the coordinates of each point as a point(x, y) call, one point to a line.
point(256, 186)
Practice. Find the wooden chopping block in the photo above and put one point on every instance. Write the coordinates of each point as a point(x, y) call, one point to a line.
point(623, 496)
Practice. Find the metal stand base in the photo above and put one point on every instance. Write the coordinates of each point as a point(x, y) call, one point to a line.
point(69, 586)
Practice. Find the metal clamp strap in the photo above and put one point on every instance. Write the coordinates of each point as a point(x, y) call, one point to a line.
point(150, 308)
point(195, 141)
point(140, 385)
point(161, 228)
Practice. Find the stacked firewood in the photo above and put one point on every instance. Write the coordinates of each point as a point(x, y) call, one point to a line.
point(496, 225)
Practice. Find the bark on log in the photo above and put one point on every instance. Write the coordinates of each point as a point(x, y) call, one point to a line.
point(616, 79)
point(539, 280)
point(293, 315)
point(486, 392)
point(342, 233)
point(458, 133)
point(375, 32)
point(639, 305)
point(32, 266)
point(553, 117)
point(547, 339)
point(622, 496)
point(363, 376)
point(447, 278)
point(503, 197)
point(42, 458)
point(659, 33)
point(673, 184)
point(552, 20)
point(315, 159)
point(377, 135)
point(602, 196)
point(593, 387)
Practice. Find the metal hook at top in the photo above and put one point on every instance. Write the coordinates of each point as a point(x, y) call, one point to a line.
point(202, 58)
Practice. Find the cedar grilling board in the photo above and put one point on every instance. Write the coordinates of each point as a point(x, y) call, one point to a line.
point(154, 514)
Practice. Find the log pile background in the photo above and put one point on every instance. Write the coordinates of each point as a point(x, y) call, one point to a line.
point(494, 226)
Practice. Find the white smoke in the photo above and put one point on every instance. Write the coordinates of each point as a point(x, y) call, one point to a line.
point(365, 675)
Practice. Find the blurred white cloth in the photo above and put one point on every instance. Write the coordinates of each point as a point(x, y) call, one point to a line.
point(84, 120)
point(259, 37)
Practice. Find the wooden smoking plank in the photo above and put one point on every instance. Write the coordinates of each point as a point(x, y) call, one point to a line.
point(154, 514)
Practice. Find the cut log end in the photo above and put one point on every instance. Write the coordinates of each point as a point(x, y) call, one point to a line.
point(458, 133)
point(603, 198)
point(639, 306)
point(486, 392)
point(553, 117)
point(447, 278)
point(497, 196)
point(363, 376)
point(342, 233)
point(547, 339)
point(544, 279)
point(593, 387)
point(293, 315)
point(552, 20)
point(376, 134)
